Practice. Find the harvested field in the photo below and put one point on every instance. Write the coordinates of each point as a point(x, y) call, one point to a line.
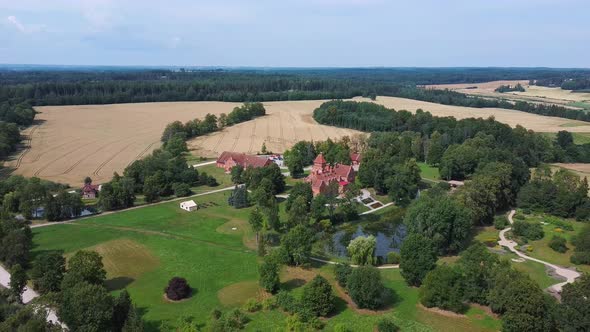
point(535, 122)
point(72, 142)
point(533, 93)
point(485, 86)
point(286, 123)
point(583, 170)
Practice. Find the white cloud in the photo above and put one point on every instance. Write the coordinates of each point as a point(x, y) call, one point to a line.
point(16, 23)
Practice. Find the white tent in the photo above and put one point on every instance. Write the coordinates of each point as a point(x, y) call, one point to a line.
point(189, 206)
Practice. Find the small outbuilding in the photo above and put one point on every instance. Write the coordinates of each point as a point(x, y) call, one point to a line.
point(189, 206)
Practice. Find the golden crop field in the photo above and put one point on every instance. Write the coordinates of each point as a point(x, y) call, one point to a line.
point(533, 93)
point(72, 142)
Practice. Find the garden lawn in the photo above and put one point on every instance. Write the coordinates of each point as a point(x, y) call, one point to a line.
point(405, 311)
point(541, 249)
point(428, 172)
point(173, 242)
point(219, 174)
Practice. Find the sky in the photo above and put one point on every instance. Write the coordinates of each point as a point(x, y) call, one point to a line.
point(297, 33)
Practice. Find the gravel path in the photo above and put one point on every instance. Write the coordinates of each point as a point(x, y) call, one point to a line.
point(568, 274)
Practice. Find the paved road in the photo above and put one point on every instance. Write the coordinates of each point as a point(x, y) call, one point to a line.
point(132, 208)
point(568, 274)
point(28, 295)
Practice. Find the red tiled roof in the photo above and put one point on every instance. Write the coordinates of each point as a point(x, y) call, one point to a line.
point(319, 159)
point(243, 159)
point(355, 157)
point(88, 188)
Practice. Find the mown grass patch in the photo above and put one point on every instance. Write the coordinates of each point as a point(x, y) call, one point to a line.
point(429, 172)
point(237, 294)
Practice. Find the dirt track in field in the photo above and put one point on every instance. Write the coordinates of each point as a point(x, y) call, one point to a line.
point(72, 142)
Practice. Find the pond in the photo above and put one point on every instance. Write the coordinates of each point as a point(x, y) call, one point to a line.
point(389, 237)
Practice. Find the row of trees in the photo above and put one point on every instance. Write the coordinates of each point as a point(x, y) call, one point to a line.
point(562, 194)
point(28, 195)
point(510, 88)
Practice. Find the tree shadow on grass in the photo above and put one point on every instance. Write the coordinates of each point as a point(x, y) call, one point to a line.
point(292, 284)
point(118, 283)
point(340, 306)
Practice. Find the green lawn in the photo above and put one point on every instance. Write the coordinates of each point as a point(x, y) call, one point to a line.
point(429, 173)
point(541, 249)
point(219, 174)
point(579, 138)
point(143, 248)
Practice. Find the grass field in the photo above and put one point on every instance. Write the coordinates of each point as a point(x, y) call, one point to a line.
point(143, 248)
point(428, 172)
point(541, 249)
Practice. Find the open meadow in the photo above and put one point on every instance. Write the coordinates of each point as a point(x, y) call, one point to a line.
point(69, 143)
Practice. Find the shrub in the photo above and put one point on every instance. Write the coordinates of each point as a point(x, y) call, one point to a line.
point(386, 325)
point(318, 296)
point(393, 258)
point(269, 275)
point(287, 302)
point(252, 305)
point(443, 287)
point(518, 216)
point(558, 244)
point(340, 327)
point(530, 248)
point(342, 271)
point(528, 231)
point(177, 289)
point(232, 320)
point(181, 189)
point(581, 257)
point(269, 303)
point(365, 287)
point(500, 222)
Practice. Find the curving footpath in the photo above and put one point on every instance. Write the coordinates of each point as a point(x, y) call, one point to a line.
point(568, 274)
point(382, 267)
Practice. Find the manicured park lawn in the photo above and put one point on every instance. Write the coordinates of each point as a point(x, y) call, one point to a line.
point(143, 248)
point(428, 172)
point(541, 249)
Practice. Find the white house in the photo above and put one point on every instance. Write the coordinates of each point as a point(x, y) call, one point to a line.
point(189, 206)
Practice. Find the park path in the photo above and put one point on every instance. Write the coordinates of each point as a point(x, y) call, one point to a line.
point(382, 267)
point(205, 163)
point(569, 274)
point(28, 295)
point(132, 208)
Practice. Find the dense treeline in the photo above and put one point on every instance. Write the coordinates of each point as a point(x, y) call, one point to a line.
point(438, 133)
point(211, 123)
point(509, 88)
point(11, 117)
point(576, 84)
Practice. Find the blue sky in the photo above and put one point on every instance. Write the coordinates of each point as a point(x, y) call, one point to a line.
point(297, 33)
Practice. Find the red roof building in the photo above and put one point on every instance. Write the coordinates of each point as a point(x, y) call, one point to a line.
point(323, 175)
point(227, 160)
point(89, 191)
